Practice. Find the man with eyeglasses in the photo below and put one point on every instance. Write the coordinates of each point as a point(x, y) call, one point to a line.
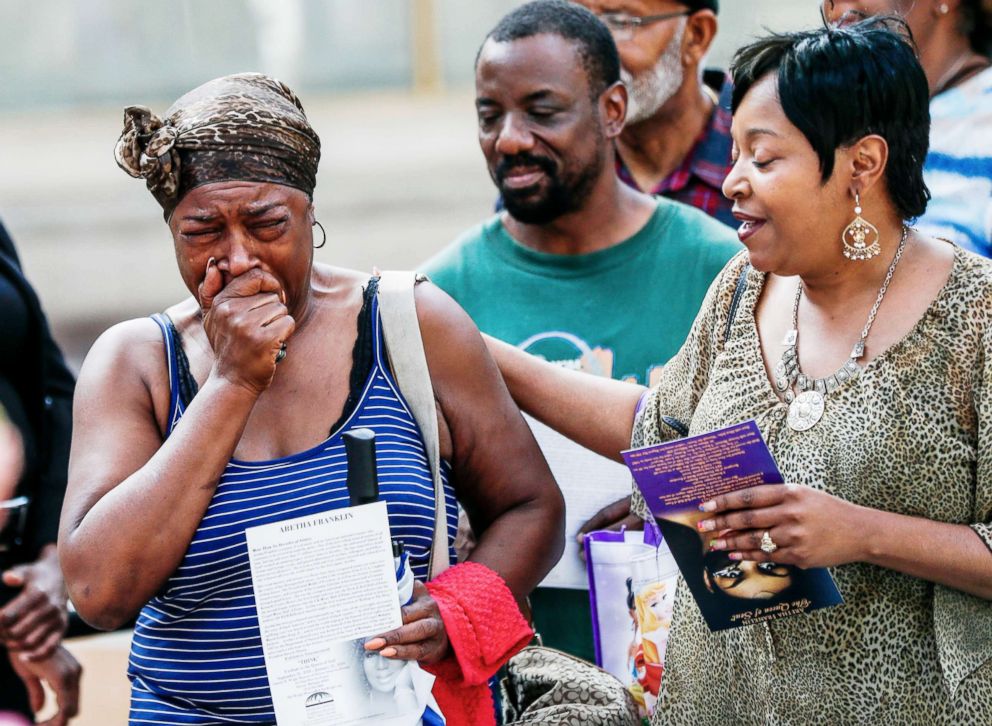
point(677, 138)
point(578, 268)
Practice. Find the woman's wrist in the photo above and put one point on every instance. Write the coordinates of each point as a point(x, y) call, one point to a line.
point(231, 388)
point(867, 534)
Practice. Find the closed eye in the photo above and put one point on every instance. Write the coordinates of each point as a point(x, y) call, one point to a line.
point(199, 232)
point(271, 222)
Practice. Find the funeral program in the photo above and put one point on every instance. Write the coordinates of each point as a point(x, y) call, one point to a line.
point(675, 478)
point(324, 585)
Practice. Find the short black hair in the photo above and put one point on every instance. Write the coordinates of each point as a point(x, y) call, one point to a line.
point(837, 85)
point(592, 38)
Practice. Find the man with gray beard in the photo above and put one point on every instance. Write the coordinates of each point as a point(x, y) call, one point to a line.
point(676, 141)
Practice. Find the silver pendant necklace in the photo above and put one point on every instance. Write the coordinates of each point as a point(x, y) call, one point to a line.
point(807, 396)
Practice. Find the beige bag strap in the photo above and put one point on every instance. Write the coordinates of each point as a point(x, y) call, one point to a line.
point(401, 330)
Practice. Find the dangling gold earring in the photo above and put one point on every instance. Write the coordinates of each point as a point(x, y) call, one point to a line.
point(860, 237)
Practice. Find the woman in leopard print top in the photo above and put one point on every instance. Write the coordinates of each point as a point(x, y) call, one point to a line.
point(892, 488)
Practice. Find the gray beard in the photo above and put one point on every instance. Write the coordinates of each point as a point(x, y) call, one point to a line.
point(649, 91)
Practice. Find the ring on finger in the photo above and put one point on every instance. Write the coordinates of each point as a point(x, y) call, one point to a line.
point(768, 545)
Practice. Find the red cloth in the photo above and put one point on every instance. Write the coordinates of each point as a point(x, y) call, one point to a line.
point(485, 629)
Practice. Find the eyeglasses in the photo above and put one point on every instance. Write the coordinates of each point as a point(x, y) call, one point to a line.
point(623, 25)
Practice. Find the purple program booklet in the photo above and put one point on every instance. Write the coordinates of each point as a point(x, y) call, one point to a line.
point(675, 478)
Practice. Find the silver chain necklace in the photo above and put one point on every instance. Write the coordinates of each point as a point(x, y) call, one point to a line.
point(806, 406)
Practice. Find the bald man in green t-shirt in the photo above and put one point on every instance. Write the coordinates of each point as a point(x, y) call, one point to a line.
point(579, 268)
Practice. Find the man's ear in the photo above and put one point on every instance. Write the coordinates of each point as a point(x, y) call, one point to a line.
point(613, 109)
point(700, 30)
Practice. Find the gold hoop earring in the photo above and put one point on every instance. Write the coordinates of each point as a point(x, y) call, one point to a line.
point(860, 237)
point(323, 231)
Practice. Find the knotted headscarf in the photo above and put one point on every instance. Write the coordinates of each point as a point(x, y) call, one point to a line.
point(245, 127)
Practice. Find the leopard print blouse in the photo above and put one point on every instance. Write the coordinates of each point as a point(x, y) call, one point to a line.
point(910, 435)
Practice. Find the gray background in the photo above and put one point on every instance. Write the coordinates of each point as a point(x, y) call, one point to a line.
point(401, 173)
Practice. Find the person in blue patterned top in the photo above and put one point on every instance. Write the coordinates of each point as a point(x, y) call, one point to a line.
point(228, 412)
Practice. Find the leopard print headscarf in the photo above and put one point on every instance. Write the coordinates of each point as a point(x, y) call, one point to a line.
point(245, 127)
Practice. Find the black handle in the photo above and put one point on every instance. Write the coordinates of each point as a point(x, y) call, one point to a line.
point(363, 481)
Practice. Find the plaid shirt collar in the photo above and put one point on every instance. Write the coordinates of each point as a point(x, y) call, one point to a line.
point(709, 158)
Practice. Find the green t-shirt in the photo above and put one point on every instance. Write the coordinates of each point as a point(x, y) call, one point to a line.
point(620, 312)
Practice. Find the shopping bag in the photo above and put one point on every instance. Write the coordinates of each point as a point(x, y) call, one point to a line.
point(632, 577)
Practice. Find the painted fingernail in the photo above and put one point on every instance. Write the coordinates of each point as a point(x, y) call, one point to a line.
point(375, 644)
point(709, 506)
point(388, 652)
point(211, 262)
point(717, 544)
point(736, 556)
point(706, 525)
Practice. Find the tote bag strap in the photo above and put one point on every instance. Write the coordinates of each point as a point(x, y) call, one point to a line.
point(405, 347)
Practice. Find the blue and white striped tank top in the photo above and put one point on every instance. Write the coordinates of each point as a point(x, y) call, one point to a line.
point(196, 656)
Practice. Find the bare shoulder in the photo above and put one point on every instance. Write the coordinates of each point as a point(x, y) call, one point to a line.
point(130, 344)
point(456, 356)
point(925, 268)
point(442, 318)
point(184, 315)
point(337, 282)
point(127, 361)
point(934, 255)
point(944, 268)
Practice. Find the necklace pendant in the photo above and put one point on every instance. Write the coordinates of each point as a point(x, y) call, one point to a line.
point(806, 411)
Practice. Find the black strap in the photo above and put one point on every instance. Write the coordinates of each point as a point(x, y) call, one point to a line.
point(188, 387)
point(673, 423)
point(738, 294)
point(361, 354)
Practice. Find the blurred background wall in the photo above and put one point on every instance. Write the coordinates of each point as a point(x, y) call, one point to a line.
point(67, 52)
point(387, 84)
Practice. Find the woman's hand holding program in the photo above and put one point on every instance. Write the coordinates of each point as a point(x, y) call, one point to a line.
point(422, 637)
point(808, 527)
point(246, 322)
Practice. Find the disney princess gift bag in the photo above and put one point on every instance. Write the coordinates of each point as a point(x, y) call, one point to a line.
point(632, 579)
